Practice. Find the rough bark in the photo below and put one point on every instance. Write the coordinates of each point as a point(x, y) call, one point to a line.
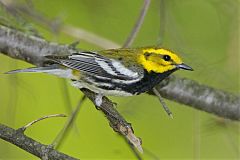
point(42, 151)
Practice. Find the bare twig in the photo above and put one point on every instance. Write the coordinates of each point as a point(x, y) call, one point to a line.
point(30, 145)
point(138, 24)
point(22, 129)
point(117, 122)
point(62, 134)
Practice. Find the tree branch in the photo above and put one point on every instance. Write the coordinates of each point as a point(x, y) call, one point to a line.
point(28, 144)
point(117, 122)
point(201, 97)
point(32, 49)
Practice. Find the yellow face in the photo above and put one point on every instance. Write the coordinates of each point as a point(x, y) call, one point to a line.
point(159, 60)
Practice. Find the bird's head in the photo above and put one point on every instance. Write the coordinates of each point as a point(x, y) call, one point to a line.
point(160, 60)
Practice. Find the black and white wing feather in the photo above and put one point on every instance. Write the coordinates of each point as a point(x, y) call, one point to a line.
point(96, 65)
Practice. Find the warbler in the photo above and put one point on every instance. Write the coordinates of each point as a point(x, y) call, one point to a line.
point(118, 72)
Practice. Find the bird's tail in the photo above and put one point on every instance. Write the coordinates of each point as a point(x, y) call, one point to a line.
point(46, 69)
point(54, 69)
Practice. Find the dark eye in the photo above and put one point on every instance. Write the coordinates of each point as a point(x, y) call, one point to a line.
point(166, 57)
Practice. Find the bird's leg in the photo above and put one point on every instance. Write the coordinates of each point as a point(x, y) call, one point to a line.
point(165, 107)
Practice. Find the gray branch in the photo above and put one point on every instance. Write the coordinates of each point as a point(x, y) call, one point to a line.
point(32, 49)
point(202, 97)
point(42, 151)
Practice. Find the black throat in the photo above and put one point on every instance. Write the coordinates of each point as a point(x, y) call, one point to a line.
point(148, 82)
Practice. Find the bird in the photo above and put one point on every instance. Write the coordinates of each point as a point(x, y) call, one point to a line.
point(113, 72)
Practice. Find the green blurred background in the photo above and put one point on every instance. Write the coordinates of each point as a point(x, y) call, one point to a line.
point(204, 32)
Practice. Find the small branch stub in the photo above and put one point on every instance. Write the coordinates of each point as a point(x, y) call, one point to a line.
point(22, 129)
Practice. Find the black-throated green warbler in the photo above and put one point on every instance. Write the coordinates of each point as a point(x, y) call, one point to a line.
point(121, 72)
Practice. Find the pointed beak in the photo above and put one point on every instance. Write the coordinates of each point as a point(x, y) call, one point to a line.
point(184, 66)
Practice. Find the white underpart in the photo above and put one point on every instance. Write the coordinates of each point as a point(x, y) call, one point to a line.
point(98, 100)
point(98, 84)
point(81, 84)
point(123, 70)
point(106, 67)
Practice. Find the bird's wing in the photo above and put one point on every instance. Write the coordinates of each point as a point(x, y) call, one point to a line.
point(96, 65)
